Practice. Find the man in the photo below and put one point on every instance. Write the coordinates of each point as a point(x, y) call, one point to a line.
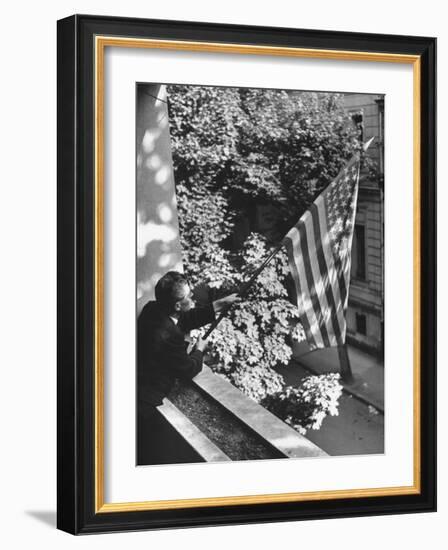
point(162, 355)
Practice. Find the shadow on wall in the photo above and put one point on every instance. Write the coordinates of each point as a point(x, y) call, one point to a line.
point(158, 245)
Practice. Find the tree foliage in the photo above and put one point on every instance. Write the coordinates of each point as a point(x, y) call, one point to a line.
point(306, 407)
point(282, 147)
point(234, 148)
point(253, 338)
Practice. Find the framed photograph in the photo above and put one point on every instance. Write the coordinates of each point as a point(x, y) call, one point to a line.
point(246, 274)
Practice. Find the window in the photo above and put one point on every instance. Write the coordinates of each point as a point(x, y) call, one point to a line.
point(359, 253)
point(361, 324)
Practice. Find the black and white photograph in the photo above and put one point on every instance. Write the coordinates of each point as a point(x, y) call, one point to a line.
point(259, 273)
point(222, 243)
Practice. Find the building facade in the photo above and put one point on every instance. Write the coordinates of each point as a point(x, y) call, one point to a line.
point(365, 316)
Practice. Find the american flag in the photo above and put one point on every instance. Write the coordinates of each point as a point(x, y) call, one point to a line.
point(319, 250)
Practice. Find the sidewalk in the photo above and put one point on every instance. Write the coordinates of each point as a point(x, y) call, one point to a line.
point(368, 372)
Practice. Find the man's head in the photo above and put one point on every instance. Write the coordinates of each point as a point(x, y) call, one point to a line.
point(173, 293)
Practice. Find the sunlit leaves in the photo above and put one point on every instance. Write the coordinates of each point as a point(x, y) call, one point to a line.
point(306, 407)
point(274, 145)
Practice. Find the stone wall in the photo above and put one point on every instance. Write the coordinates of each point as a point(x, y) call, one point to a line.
point(158, 246)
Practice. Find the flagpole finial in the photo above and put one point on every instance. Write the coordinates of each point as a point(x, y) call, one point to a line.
point(368, 143)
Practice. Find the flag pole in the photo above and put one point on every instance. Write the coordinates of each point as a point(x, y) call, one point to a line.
point(344, 362)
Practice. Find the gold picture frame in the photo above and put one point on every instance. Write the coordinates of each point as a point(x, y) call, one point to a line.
point(80, 35)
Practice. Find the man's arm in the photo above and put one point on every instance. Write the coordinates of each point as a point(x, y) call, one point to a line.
point(200, 316)
point(196, 317)
point(178, 361)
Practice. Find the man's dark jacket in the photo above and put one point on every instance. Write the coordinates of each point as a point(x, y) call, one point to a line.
point(162, 351)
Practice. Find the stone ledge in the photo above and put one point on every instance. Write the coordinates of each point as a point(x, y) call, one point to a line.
point(187, 430)
point(263, 423)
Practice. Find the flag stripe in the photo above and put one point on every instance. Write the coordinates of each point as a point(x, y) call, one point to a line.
point(333, 275)
point(303, 317)
point(320, 282)
point(347, 266)
point(339, 269)
point(312, 283)
point(307, 303)
point(335, 333)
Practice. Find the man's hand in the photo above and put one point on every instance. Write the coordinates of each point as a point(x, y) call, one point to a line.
point(201, 344)
point(219, 305)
